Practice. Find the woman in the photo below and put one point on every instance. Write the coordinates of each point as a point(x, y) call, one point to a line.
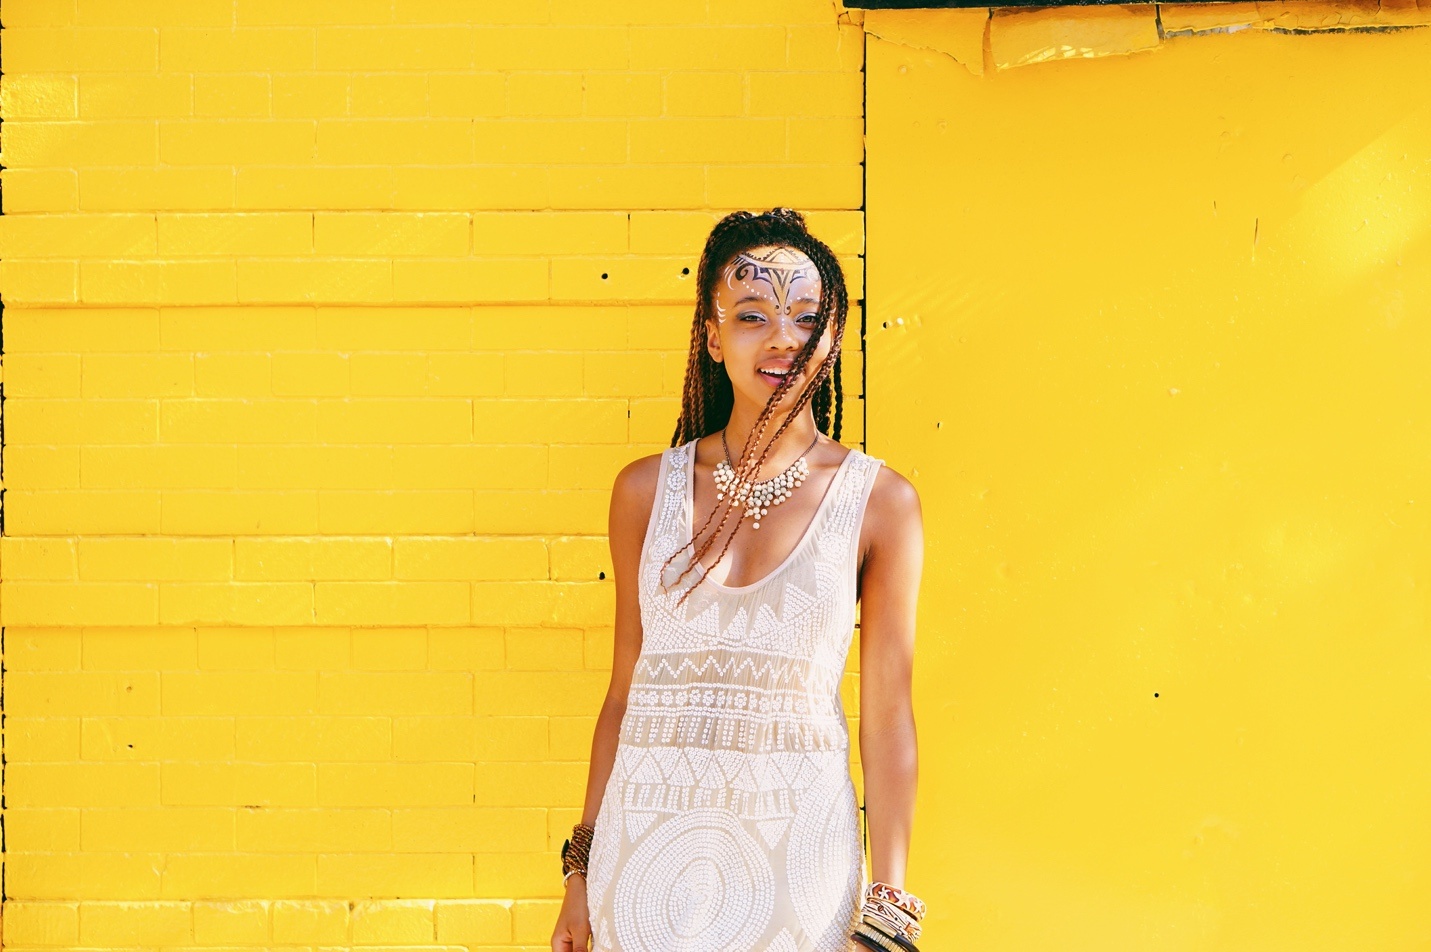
point(720, 815)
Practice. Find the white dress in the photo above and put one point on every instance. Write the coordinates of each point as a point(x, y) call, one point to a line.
point(729, 823)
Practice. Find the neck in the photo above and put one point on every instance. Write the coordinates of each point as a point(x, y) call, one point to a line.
point(793, 442)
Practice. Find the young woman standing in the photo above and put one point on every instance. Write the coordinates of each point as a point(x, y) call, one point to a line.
point(720, 813)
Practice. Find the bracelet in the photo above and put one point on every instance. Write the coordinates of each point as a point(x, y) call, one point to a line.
point(896, 897)
point(576, 851)
point(889, 920)
point(872, 938)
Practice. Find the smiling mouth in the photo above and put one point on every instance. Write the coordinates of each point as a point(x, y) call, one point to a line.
point(773, 377)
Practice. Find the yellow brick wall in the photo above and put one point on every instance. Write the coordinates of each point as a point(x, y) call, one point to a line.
point(326, 327)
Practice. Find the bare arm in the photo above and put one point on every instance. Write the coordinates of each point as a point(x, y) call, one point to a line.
point(631, 499)
point(889, 591)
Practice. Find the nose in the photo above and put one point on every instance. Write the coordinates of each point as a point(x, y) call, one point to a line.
point(784, 333)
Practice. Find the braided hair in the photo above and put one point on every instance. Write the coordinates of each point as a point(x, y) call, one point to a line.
point(708, 398)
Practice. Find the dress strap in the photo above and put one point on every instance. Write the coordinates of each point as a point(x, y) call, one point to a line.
point(859, 482)
point(665, 526)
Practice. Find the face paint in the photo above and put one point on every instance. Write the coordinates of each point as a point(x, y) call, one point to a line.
point(770, 274)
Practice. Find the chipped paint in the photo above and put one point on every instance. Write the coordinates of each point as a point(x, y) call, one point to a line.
point(959, 34)
point(1024, 37)
point(985, 39)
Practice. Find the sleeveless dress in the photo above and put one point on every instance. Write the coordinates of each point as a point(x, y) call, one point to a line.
point(729, 823)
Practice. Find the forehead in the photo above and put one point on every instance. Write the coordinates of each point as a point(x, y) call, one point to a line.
point(767, 268)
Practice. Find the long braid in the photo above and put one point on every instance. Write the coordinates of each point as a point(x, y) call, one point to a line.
point(707, 395)
point(833, 303)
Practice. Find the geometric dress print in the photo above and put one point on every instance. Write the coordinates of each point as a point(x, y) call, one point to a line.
point(729, 823)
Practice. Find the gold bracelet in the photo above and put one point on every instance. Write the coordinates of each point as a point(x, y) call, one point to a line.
point(576, 851)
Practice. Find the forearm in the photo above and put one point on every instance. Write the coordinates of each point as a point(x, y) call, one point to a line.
point(890, 761)
point(603, 755)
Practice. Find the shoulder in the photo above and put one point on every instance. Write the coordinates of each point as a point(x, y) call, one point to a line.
point(893, 499)
point(637, 480)
point(633, 493)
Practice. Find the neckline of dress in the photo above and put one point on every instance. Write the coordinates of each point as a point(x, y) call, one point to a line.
point(690, 518)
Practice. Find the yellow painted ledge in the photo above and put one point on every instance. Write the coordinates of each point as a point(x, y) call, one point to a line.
point(999, 38)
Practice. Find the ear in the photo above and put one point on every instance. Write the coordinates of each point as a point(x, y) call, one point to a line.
point(713, 342)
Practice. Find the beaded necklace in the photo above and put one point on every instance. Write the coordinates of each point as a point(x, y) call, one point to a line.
point(760, 496)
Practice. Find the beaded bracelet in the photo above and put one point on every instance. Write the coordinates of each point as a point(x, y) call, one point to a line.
point(576, 851)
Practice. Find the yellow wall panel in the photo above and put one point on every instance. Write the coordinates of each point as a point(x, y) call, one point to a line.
point(1145, 332)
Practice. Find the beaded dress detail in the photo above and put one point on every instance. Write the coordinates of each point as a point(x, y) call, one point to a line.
point(729, 823)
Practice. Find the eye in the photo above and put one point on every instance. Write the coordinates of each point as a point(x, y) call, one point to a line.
point(752, 315)
point(811, 318)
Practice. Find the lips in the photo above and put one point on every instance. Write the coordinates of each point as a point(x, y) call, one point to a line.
point(773, 375)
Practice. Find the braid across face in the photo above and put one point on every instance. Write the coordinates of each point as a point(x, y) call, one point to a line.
point(708, 397)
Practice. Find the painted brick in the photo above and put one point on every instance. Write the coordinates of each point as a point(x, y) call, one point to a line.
point(389, 94)
point(284, 829)
point(544, 649)
point(134, 95)
point(236, 234)
point(51, 603)
point(240, 875)
point(41, 924)
point(705, 94)
point(42, 739)
point(465, 649)
point(227, 649)
point(157, 558)
point(156, 738)
point(312, 739)
point(40, 190)
point(40, 558)
point(310, 922)
point(468, 829)
point(466, 94)
point(40, 649)
point(106, 924)
point(488, 559)
point(436, 875)
point(238, 784)
point(242, 96)
point(40, 830)
point(474, 921)
point(393, 923)
point(304, 187)
point(474, 738)
point(397, 290)
point(623, 94)
point(76, 50)
point(361, 693)
point(80, 784)
point(231, 923)
point(49, 693)
point(570, 737)
point(240, 50)
point(337, 559)
point(169, 828)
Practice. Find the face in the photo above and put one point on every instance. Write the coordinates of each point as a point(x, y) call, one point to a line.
point(767, 302)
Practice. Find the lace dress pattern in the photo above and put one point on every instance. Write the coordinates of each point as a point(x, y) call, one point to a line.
point(729, 823)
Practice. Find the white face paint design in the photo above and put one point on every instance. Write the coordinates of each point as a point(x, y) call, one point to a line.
point(775, 274)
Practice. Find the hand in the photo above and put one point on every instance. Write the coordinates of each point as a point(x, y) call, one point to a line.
point(573, 926)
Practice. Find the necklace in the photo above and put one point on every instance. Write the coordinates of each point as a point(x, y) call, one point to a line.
point(760, 496)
